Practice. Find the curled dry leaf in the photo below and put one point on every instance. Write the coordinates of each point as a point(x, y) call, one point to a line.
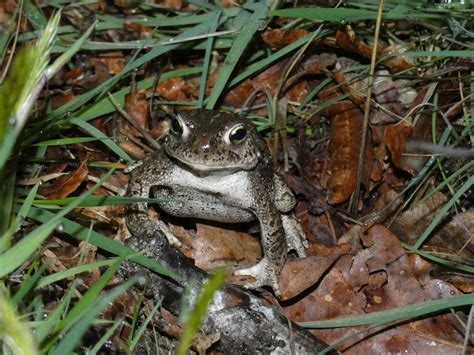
point(396, 137)
point(66, 184)
point(346, 130)
point(295, 88)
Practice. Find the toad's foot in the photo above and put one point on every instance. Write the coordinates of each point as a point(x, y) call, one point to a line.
point(265, 273)
point(295, 237)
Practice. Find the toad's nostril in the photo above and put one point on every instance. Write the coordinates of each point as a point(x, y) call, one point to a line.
point(205, 147)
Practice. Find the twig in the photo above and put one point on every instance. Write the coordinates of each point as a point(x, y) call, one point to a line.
point(355, 196)
point(135, 125)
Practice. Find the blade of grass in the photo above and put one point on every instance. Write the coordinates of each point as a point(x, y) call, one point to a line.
point(81, 232)
point(66, 56)
point(405, 312)
point(28, 283)
point(21, 87)
point(97, 201)
point(202, 304)
point(72, 338)
point(138, 334)
point(207, 61)
point(108, 334)
point(5, 240)
point(273, 58)
point(43, 329)
point(104, 106)
point(65, 141)
point(58, 276)
point(83, 305)
point(447, 263)
point(443, 212)
point(87, 127)
point(348, 15)
point(241, 41)
point(78, 102)
point(21, 251)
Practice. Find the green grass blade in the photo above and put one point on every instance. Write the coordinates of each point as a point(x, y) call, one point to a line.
point(66, 56)
point(5, 240)
point(405, 312)
point(241, 41)
point(348, 15)
point(66, 141)
point(97, 201)
point(441, 54)
point(207, 60)
point(21, 87)
point(72, 338)
point(138, 334)
point(202, 304)
point(58, 276)
point(27, 284)
point(83, 305)
point(104, 106)
point(43, 329)
point(21, 251)
point(87, 127)
point(443, 212)
point(108, 334)
point(447, 263)
point(81, 232)
point(105, 86)
point(12, 258)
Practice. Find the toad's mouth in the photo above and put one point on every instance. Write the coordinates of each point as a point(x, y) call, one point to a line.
point(202, 167)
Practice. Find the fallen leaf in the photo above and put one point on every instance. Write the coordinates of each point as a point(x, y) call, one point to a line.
point(278, 38)
point(300, 274)
point(380, 276)
point(214, 247)
point(66, 184)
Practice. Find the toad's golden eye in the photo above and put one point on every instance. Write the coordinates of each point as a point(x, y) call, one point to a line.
point(177, 126)
point(237, 134)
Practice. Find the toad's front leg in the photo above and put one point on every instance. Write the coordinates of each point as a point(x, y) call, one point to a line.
point(267, 271)
point(138, 221)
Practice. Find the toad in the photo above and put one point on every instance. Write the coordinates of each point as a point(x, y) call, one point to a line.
point(215, 166)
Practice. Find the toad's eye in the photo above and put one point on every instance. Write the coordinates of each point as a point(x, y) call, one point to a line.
point(177, 126)
point(237, 134)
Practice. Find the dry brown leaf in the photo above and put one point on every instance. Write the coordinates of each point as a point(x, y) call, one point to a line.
point(300, 274)
point(457, 235)
point(214, 247)
point(278, 38)
point(396, 137)
point(381, 276)
point(172, 89)
point(114, 61)
point(66, 184)
point(136, 105)
point(346, 130)
point(413, 222)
